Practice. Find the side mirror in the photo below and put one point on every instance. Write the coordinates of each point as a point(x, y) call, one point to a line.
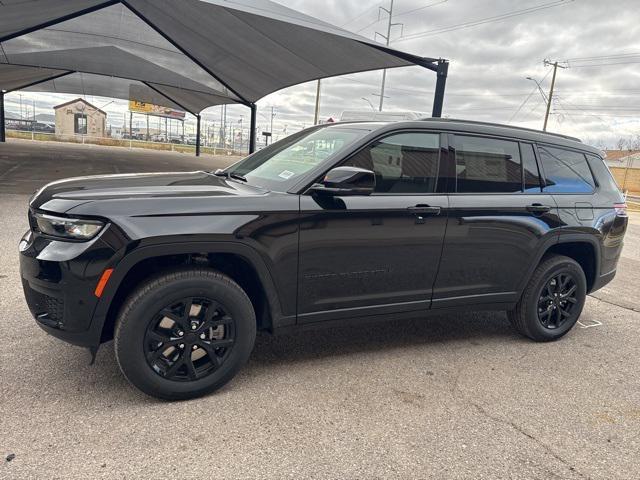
point(342, 181)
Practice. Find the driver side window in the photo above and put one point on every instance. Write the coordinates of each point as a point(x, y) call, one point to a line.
point(403, 163)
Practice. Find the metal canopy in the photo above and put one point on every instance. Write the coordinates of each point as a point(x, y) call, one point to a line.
point(187, 54)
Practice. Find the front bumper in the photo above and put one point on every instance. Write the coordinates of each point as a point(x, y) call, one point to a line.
point(59, 279)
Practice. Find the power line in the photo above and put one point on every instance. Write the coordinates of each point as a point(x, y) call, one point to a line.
point(429, 92)
point(483, 21)
point(369, 25)
point(439, 2)
point(602, 64)
point(407, 12)
point(526, 100)
point(364, 12)
point(602, 57)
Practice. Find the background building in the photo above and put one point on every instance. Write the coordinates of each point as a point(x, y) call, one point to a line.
point(79, 117)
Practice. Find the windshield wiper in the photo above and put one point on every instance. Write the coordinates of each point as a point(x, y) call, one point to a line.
point(225, 174)
point(237, 176)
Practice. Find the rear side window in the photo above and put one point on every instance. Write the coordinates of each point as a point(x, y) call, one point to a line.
point(602, 173)
point(403, 163)
point(487, 165)
point(565, 171)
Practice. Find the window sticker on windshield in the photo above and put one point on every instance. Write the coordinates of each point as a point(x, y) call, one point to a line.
point(286, 175)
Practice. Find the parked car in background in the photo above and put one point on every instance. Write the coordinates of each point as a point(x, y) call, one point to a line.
point(336, 224)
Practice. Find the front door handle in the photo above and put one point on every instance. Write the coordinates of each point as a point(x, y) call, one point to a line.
point(538, 208)
point(425, 209)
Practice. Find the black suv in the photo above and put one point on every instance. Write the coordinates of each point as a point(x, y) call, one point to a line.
point(339, 223)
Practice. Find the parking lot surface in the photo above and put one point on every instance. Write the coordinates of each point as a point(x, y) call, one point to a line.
point(448, 396)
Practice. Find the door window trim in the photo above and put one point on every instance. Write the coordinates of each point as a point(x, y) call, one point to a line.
point(452, 159)
point(442, 159)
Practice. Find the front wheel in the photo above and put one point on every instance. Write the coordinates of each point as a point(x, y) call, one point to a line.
point(552, 301)
point(184, 334)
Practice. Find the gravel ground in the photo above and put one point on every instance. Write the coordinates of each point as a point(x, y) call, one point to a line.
point(449, 396)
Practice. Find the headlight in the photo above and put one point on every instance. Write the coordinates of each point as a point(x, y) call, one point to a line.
point(74, 229)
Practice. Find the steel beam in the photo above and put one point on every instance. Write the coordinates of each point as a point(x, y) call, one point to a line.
point(58, 20)
point(3, 137)
point(441, 83)
point(252, 128)
point(198, 118)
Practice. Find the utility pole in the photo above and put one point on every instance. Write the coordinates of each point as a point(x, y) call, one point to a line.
point(316, 118)
point(387, 39)
point(553, 86)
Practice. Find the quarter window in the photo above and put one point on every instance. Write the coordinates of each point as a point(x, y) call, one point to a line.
point(565, 171)
point(487, 165)
point(403, 163)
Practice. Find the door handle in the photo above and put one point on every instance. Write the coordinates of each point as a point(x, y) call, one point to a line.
point(538, 208)
point(425, 209)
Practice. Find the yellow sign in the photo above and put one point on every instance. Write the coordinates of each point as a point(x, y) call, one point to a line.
point(156, 110)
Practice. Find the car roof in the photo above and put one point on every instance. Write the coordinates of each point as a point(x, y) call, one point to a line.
point(484, 128)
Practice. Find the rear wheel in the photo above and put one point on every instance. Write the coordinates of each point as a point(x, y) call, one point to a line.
point(552, 301)
point(185, 334)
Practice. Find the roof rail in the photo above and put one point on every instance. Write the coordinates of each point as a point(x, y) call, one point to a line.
point(489, 124)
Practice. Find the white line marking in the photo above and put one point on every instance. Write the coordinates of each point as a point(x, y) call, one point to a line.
point(595, 323)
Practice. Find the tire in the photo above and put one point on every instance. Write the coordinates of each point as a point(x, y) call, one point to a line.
point(184, 334)
point(539, 303)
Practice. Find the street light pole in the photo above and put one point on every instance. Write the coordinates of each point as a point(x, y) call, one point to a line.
point(369, 102)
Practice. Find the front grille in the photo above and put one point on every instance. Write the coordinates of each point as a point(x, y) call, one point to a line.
point(42, 305)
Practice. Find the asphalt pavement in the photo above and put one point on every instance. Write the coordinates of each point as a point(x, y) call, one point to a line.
point(448, 397)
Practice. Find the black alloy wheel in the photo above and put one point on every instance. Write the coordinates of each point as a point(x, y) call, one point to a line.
point(184, 333)
point(552, 300)
point(189, 339)
point(557, 300)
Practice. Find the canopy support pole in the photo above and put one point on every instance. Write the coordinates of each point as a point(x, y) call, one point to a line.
point(198, 119)
point(441, 83)
point(3, 137)
point(252, 128)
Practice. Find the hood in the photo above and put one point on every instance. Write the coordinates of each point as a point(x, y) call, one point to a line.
point(64, 195)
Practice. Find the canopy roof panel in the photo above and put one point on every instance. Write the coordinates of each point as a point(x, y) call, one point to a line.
point(201, 54)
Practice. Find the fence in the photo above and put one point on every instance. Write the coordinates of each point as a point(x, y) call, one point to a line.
point(125, 143)
point(627, 178)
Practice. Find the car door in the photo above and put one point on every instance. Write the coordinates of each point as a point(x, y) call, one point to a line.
point(498, 218)
point(376, 254)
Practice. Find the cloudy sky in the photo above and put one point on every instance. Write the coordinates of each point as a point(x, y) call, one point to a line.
point(493, 46)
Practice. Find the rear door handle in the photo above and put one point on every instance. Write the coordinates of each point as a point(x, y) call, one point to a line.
point(425, 209)
point(538, 208)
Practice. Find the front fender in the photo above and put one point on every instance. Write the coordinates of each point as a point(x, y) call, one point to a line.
point(131, 259)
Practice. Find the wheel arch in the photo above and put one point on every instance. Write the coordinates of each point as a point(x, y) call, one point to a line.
point(240, 262)
point(582, 247)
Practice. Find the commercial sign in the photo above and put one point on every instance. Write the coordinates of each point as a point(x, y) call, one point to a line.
point(156, 110)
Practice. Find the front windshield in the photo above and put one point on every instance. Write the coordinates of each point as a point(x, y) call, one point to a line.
point(278, 167)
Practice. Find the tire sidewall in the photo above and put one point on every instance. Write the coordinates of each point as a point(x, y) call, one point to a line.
point(136, 317)
point(563, 266)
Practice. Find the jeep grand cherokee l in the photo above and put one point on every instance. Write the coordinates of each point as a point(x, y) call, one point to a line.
point(335, 224)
